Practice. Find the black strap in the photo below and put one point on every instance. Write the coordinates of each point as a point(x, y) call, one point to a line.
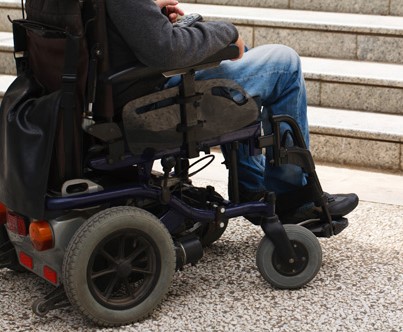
point(68, 99)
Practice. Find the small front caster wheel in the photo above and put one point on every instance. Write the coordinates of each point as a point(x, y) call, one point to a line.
point(40, 308)
point(294, 274)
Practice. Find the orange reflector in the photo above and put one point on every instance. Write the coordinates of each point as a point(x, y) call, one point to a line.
point(26, 260)
point(41, 235)
point(50, 274)
point(3, 214)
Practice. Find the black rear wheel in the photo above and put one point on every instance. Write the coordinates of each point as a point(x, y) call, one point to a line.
point(119, 266)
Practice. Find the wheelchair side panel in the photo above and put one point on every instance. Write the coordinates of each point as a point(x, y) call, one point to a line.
point(152, 123)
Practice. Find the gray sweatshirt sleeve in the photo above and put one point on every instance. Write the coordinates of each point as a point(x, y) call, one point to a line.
point(156, 43)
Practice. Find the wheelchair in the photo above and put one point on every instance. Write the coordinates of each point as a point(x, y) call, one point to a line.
point(82, 205)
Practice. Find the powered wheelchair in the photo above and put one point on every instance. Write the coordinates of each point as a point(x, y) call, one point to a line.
point(83, 207)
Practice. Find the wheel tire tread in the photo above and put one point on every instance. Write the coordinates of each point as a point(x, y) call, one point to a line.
point(70, 260)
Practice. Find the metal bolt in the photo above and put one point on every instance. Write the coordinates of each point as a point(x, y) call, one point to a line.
point(291, 261)
point(222, 210)
point(222, 225)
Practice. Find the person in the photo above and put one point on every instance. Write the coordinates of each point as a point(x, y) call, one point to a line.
point(144, 30)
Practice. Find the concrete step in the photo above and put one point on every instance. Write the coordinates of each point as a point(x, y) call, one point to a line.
point(310, 33)
point(373, 7)
point(7, 63)
point(316, 34)
point(355, 138)
point(10, 8)
point(356, 85)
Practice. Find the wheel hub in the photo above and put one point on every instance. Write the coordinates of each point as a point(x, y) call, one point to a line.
point(124, 269)
point(293, 266)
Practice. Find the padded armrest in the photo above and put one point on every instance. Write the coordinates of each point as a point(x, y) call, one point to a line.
point(140, 71)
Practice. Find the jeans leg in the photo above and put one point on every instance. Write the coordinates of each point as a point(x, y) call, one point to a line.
point(272, 72)
point(251, 169)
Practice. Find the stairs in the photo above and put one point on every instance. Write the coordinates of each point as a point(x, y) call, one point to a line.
point(372, 7)
point(352, 57)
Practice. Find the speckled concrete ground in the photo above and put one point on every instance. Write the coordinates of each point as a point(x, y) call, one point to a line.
point(359, 287)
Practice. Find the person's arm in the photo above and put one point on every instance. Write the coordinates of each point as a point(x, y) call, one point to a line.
point(156, 43)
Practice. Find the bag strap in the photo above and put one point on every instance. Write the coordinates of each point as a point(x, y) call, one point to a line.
point(68, 104)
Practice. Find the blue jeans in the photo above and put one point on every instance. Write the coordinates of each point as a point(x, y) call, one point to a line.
point(272, 72)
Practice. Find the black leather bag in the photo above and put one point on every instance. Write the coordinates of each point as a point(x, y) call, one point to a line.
point(40, 116)
point(28, 122)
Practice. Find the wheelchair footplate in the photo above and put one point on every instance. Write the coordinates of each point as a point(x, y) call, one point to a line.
point(325, 229)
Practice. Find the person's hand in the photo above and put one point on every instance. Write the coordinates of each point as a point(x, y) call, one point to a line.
point(172, 10)
point(241, 45)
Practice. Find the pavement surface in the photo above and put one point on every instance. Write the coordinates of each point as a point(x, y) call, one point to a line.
point(359, 286)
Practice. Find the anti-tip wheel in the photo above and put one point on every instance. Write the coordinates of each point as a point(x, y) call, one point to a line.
point(285, 275)
point(39, 307)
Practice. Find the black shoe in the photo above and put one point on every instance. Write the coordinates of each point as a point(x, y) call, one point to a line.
point(339, 205)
